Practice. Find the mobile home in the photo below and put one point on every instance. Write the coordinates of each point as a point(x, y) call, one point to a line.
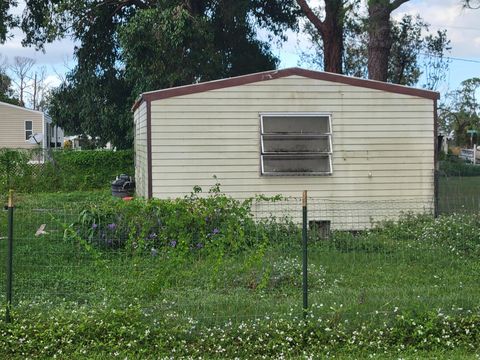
point(22, 128)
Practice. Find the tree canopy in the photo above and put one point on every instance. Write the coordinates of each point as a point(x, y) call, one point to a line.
point(125, 47)
point(414, 51)
point(331, 30)
point(6, 91)
point(129, 46)
point(460, 111)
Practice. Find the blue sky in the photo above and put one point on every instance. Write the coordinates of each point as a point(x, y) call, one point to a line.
point(463, 28)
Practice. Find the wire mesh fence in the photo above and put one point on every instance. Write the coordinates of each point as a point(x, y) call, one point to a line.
point(459, 193)
point(38, 170)
point(23, 168)
point(365, 258)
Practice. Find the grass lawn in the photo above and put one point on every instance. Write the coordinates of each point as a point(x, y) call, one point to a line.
point(459, 193)
point(353, 280)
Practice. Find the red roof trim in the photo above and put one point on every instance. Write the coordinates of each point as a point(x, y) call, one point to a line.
point(276, 74)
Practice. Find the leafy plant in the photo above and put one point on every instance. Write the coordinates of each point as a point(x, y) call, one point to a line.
point(213, 224)
point(35, 171)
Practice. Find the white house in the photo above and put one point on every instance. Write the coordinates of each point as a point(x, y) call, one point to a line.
point(23, 128)
point(284, 131)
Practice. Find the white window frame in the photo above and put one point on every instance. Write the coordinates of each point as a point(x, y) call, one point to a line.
point(306, 154)
point(31, 130)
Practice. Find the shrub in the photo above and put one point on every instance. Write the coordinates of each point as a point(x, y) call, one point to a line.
point(91, 169)
point(457, 167)
point(216, 223)
point(65, 171)
point(22, 170)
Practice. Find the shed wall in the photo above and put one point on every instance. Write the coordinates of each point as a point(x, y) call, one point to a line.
point(383, 143)
point(12, 126)
point(141, 154)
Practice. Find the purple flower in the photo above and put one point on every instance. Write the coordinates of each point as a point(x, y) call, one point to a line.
point(152, 236)
point(94, 226)
point(173, 243)
point(112, 226)
point(215, 231)
point(199, 245)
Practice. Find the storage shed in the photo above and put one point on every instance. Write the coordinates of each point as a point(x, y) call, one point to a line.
point(284, 131)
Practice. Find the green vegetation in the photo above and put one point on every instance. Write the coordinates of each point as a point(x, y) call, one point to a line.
point(459, 112)
point(459, 186)
point(206, 277)
point(457, 167)
point(459, 194)
point(64, 171)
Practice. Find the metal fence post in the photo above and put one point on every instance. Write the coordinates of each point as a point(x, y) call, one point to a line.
point(8, 317)
point(305, 253)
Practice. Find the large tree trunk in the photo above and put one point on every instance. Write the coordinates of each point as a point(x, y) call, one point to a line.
point(333, 36)
point(331, 31)
point(379, 39)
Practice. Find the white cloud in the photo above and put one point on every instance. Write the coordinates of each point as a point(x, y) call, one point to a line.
point(55, 53)
point(462, 25)
point(57, 56)
point(53, 81)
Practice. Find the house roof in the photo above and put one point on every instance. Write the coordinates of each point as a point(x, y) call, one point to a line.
point(20, 107)
point(276, 74)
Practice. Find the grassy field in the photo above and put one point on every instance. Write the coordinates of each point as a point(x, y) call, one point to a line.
point(354, 279)
point(459, 193)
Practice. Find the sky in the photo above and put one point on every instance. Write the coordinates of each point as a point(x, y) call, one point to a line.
point(463, 30)
point(462, 25)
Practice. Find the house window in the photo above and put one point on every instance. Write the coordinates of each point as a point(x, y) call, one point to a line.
point(28, 129)
point(296, 144)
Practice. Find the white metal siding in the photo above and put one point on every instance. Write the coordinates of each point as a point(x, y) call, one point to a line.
point(383, 143)
point(141, 165)
point(12, 126)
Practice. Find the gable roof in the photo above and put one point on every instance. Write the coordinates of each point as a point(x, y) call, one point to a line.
point(276, 74)
point(20, 108)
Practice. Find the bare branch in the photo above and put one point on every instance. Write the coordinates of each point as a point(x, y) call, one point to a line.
point(396, 4)
point(21, 68)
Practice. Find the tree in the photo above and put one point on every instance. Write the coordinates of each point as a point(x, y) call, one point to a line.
point(21, 68)
point(436, 63)
point(414, 51)
point(379, 36)
point(410, 48)
point(39, 89)
point(331, 30)
point(403, 67)
point(190, 46)
point(211, 39)
point(461, 111)
point(94, 106)
point(6, 92)
point(7, 20)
